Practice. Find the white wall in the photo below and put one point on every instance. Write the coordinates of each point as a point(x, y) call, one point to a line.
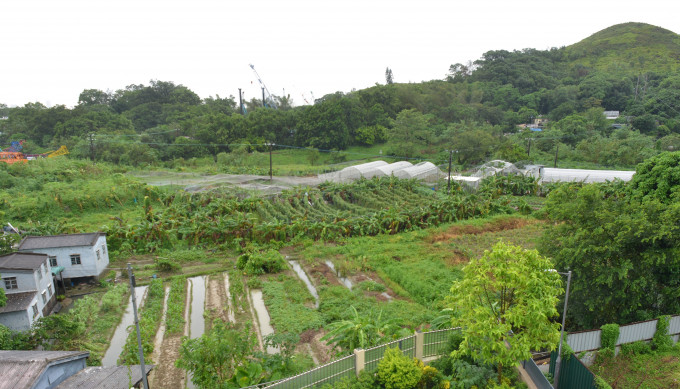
point(28, 281)
point(89, 267)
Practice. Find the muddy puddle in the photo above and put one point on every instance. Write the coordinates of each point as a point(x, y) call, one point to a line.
point(345, 281)
point(196, 319)
point(231, 315)
point(121, 334)
point(308, 283)
point(262, 317)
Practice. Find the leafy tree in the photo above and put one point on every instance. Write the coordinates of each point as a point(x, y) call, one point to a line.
point(213, 359)
point(622, 251)
point(658, 178)
point(505, 304)
point(410, 133)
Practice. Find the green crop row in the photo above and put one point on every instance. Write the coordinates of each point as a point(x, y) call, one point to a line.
point(174, 317)
point(149, 319)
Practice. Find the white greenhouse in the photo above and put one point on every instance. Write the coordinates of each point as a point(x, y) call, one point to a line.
point(425, 171)
point(387, 170)
point(352, 173)
point(583, 175)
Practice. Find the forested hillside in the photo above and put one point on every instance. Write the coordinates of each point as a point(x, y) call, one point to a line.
point(477, 109)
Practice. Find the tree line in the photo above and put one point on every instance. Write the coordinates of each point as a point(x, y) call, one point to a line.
point(476, 110)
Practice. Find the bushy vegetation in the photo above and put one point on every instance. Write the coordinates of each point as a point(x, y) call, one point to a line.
point(620, 241)
point(149, 320)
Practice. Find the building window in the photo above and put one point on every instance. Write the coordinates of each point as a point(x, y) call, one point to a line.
point(10, 283)
point(53, 261)
point(75, 259)
point(99, 256)
point(51, 289)
point(35, 310)
point(47, 266)
point(44, 297)
point(104, 248)
point(40, 271)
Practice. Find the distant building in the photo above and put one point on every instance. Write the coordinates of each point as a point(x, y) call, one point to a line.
point(81, 255)
point(539, 122)
point(29, 287)
point(611, 115)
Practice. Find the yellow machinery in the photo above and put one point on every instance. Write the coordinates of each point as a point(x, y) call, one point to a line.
point(60, 151)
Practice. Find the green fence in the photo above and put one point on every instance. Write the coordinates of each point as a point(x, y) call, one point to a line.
point(375, 354)
point(434, 341)
point(421, 345)
point(326, 374)
point(574, 374)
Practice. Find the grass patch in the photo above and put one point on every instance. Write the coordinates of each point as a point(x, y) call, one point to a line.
point(285, 297)
point(656, 370)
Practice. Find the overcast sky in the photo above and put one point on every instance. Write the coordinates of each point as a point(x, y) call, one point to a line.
point(51, 50)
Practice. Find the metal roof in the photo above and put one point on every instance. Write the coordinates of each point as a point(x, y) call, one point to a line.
point(22, 261)
point(51, 241)
point(20, 369)
point(18, 301)
point(115, 377)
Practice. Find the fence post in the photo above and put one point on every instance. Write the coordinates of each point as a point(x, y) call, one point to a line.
point(359, 360)
point(420, 341)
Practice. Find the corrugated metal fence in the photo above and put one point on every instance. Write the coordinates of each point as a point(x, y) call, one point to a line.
point(642, 331)
point(574, 374)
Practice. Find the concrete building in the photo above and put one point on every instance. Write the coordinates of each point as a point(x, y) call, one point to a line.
point(29, 287)
point(81, 255)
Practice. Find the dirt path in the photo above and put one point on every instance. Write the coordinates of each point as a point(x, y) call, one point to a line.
point(166, 375)
point(158, 341)
point(215, 299)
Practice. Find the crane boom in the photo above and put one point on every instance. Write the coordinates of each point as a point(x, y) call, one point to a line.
point(271, 102)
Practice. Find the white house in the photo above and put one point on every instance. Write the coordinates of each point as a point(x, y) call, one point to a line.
point(27, 281)
point(81, 255)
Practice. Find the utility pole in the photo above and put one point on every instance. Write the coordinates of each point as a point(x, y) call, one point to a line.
point(139, 336)
point(557, 149)
point(448, 188)
point(92, 147)
point(558, 362)
point(264, 102)
point(240, 101)
point(271, 145)
point(529, 149)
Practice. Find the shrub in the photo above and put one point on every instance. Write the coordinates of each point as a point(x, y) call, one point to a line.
point(601, 383)
point(397, 371)
point(661, 340)
point(270, 261)
point(636, 348)
point(163, 264)
point(609, 336)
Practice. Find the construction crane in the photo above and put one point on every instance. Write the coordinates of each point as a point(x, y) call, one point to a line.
point(268, 96)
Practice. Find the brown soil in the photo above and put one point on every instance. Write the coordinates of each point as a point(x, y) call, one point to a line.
point(215, 299)
point(310, 341)
point(495, 226)
point(166, 375)
point(321, 274)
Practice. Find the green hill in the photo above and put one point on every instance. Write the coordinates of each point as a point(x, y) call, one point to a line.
point(637, 47)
